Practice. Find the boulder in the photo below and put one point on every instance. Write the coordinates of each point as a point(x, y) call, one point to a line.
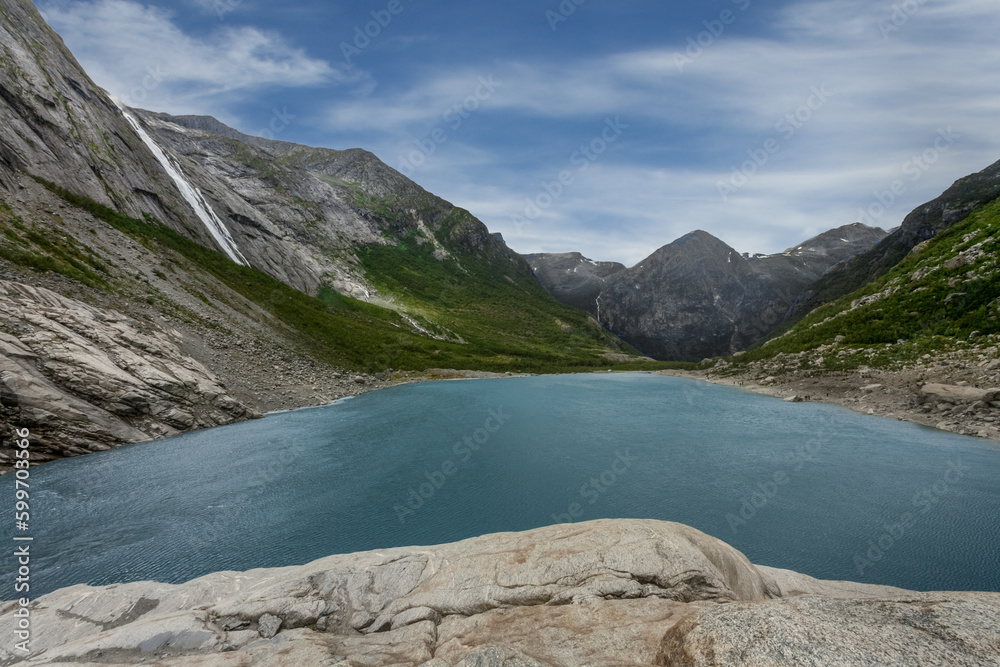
point(268, 626)
point(957, 394)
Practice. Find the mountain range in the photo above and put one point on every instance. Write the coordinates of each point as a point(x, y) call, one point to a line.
point(697, 297)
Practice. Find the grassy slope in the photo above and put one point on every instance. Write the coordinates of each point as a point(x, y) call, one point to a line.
point(930, 300)
point(506, 329)
point(485, 298)
point(926, 221)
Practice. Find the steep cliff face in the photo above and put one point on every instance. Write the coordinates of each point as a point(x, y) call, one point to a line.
point(86, 379)
point(697, 297)
point(295, 212)
point(572, 278)
point(59, 125)
point(303, 214)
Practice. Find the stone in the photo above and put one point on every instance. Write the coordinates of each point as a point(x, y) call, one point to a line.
point(957, 394)
point(231, 623)
point(79, 374)
point(954, 629)
point(416, 615)
point(268, 626)
point(498, 656)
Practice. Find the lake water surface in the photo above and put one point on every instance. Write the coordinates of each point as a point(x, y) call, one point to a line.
point(809, 487)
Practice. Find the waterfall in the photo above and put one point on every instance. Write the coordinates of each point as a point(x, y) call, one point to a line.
point(190, 193)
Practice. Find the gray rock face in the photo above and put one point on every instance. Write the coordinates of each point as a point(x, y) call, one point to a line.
point(572, 278)
point(697, 297)
point(286, 220)
point(959, 629)
point(85, 379)
point(301, 213)
point(622, 592)
point(57, 124)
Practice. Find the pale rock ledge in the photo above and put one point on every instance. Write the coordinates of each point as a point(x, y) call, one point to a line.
point(608, 592)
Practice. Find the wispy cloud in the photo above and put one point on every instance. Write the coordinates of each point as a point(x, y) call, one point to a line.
point(139, 54)
point(889, 95)
point(892, 73)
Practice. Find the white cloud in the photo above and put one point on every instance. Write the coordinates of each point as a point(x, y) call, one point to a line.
point(889, 94)
point(138, 54)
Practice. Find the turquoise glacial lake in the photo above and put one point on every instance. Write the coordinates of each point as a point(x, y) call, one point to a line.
point(810, 487)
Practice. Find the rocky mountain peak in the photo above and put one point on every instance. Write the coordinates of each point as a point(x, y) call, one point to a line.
point(698, 297)
point(840, 242)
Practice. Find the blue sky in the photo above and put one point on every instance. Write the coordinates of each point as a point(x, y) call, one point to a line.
point(610, 128)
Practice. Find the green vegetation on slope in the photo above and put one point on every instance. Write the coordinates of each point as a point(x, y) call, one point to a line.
point(44, 250)
point(498, 328)
point(485, 296)
point(938, 296)
point(925, 222)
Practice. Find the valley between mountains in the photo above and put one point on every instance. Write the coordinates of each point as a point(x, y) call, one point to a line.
point(161, 274)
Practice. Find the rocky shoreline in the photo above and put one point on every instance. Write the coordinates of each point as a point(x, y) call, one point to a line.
point(958, 391)
point(85, 378)
point(608, 592)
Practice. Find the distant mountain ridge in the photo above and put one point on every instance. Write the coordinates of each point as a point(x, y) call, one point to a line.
point(697, 297)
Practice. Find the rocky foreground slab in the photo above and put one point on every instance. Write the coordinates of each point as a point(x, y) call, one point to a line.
point(608, 592)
